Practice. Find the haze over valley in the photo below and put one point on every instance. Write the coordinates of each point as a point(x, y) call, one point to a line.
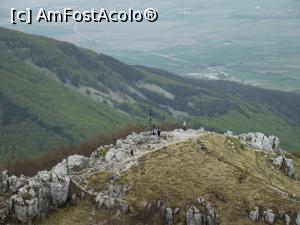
point(253, 42)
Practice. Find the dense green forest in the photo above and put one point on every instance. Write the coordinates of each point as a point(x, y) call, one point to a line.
point(53, 92)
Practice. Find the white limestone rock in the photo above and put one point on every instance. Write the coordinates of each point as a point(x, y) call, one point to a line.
point(71, 163)
point(61, 168)
point(287, 219)
point(169, 216)
point(229, 133)
point(113, 197)
point(100, 200)
point(254, 214)
point(4, 181)
point(124, 206)
point(76, 161)
point(212, 216)
point(269, 216)
point(193, 217)
point(288, 164)
point(291, 170)
point(109, 203)
point(59, 188)
point(278, 162)
point(37, 195)
point(4, 210)
point(298, 219)
point(176, 211)
point(261, 141)
point(116, 155)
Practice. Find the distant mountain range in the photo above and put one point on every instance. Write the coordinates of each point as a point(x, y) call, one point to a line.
point(53, 92)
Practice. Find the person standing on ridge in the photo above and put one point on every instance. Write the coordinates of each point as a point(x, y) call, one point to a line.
point(184, 126)
point(158, 132)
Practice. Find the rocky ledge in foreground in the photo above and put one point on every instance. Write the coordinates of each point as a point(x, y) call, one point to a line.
point(24, 199)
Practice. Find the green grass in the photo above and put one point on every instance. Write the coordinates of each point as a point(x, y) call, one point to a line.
point(42, 106)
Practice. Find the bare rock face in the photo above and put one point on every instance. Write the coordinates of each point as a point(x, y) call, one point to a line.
point(195, 217)
point(298, 219)
point(278, 162)
point(3, 181)
point(269, 216)
point(116, 155)
point(290, 167)
point(35, 196)
point(285, 164)
point(207, 215)
point(59, 189)
point(254, 214)
point(15, 183)
point(261, 141)
point(169, 216)
point(4, 210)
point(124, 148)
point(112, 198)
point(71, 163)
point(287, 219)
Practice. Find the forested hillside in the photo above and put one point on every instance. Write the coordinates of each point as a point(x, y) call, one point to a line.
point(53, 92)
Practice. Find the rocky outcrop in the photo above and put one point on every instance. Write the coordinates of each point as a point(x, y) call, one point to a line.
point(254, 214)
point(112, 198)
point(261, 141)
point(123, 148)
point(195, 217)
point(287, 219)
point(4, 181)
point(71, 163)
point(169, 220)
point(33, 197)
point(4, 209)
point(270, 217)
point(286, 165)
point(205, 215)
point(298, 219)
point(40, 194)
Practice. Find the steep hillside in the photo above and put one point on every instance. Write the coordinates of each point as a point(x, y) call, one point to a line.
point(193, 177)
point(53, 92)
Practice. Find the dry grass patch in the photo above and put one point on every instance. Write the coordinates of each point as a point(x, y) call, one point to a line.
point(69, 215)
point(99, 180)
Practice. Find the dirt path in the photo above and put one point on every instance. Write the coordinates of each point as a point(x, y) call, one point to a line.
point(166, 139)
point(179, 138)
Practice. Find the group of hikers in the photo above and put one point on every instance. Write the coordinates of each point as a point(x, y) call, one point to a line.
point(157, 131)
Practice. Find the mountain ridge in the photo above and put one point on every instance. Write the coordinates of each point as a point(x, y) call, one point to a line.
point(61, 94)
point(172, 178)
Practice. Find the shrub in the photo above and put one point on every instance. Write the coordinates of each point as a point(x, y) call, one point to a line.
point(30, 166)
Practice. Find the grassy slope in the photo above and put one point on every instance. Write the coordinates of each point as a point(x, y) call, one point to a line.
point(230, 176)
point(37, 109)
point(43, 107)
